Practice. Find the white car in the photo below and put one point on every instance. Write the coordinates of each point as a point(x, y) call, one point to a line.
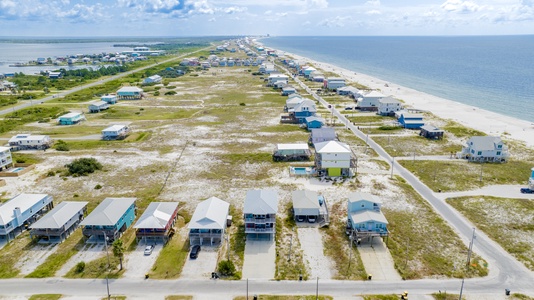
point(148, 249)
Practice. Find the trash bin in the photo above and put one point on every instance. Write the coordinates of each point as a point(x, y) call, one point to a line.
point(146, 276)
point(300, 277)
point(507, 292)
point(369, 276)
point(255, 297)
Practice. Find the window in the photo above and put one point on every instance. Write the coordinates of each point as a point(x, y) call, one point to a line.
point(498, 152)
point(499, 146)
point(479, 153)
point(473, 151)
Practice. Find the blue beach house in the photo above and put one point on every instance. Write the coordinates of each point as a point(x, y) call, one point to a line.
point(129, 93)
point(410, 121)
point(314, 122)
point(21, 211)
point(71, 118)
point(109, 99)
point(306, 108)
point(365, 220)
point(111, 217)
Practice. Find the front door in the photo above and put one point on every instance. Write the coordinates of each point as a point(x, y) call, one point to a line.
point(370, 226)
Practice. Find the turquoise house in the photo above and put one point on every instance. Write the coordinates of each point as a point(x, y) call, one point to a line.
point(314, 122)
point(365, 219)
point(109, 99)
point(71, 118)
point(110, 218)
point(411, 121)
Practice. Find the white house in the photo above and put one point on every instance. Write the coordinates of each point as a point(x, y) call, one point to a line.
point(22, 211)
point(115, 132)
point(28, 142)
point(6, 161)
point(334, 158)
point(369, 102)
point(98, 106)
point(333, 83)
point(152, 79)
point(485, 149)
point(277, 77)
point(388, 106)
point(208, 223)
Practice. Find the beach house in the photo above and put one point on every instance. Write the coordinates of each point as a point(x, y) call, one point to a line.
point(364, 217)
point(316, 76)
point(208, 223)
point(273, 78)
point(323, 134)
point(409, 120)
point(59, 223)
point(98, 106)
point(115, 132)
point(307, 71)
point(306, 108)
point(387, 106)
point(334, 159)
point(259, 212)
point(349, 91)
point(109, 219)
point(484, 149)
point(333, 83)
point(314, 122)
point(152, 79)
point(156, 224)
point(71, 118)
point(129, 93)
point(110, 99)
point(25, 141)
point(369, 101)
point(20, 212)
point(291, 152)
point(431, 132)
point(288, 90)
point(6, 161)
point(292, 101)
point(308, 206)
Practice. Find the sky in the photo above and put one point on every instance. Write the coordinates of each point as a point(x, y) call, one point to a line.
point(60, 18)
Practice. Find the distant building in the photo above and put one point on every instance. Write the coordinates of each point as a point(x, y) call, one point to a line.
point(71, 118)
point(333, 83)
point(98, 106)
point(388, 106)
point(6, 161)
point(334, 159)
point(110, 99)
point(29, 142)
point(115, 132)
point(485, 149)
point(152, 79)
point(130, 93)
point(21, 211)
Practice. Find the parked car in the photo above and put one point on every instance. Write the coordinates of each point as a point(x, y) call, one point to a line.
point(312, 219)
point(301, 218)
point(148, 249)
point(527, 191)
point(349, 108)
point(194, 251)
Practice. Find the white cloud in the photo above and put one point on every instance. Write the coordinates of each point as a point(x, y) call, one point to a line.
point(317, 3)
point(373, 12)
point(234, 9)
point(212, 20)
point(335, 22)
point(170, 8)
point(268, 12)
point(373, 3)
point(83, 13)
point(460, 6)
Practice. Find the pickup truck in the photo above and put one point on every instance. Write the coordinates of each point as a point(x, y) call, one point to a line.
point(527, 191)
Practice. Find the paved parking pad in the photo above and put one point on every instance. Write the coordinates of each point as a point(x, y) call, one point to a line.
point(378, 261)
point(203, 265)
point(259, 259)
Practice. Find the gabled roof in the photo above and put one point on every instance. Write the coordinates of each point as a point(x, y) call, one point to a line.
point(332, 147)
point(60, 215)
point(390, 100)
point(325, 132)
point(127, 89)
point(305, 199)
point(335, 79)
point(22, 201)
point(374, 94)
point(359, 196)
point(484, 142)
point(114, 128)
point(313, 118)
point(157, 215)
point(108, 212)
point(261, 202)
point(310, 104)
point(363, 216)
point(210, 214)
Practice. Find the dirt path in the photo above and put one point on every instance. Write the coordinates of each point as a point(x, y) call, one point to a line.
point(312, 246)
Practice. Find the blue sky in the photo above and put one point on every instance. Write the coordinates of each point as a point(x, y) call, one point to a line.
point(274, 17)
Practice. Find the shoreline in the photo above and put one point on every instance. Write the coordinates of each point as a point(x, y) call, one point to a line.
point(477, 118)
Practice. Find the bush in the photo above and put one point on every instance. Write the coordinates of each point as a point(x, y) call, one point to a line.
point(156, 93)
point(61, 146)
point(80, 267)
point(242, 104)
point(170, 93)
point(226, 268)
point(20, 160)
point(83, 166)
point(51, 174)
point(98, 186)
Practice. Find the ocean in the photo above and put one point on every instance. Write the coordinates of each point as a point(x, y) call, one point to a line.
point(495, 73)
point(11, 53)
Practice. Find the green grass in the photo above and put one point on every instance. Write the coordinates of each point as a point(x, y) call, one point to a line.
point(365, 120)
point(172, 257)
point(282, 128)
point(293, 268)
point(149, 113)
point(422, 244)
point(231, 164)
point(336, 247)
point(55, 261)
point(28, 115)
point(12, 253)
point(286, 297)
point(521, 297)
point(381, 297)
point(98, 268)
point(237, 240)
point(459, 175)
point(26, 158)
point(115, 298)
point(509, 229)
point(446, 296)
point(406, 145)
point(461, 131)
point(45, 297)
point(178, 297)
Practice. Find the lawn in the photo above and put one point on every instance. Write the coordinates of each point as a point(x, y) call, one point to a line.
point(407, 145)
point(45, 297)
point(459, 175)
point(286, 297)
point(509, 222)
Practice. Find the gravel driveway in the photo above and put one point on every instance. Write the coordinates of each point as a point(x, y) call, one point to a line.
point(201, 267)
point(137, 264)
point(312, 246)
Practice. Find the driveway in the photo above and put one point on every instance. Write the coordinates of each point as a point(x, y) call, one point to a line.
point(377, 260)
point(259, 259)
point(88, 253)
point(311, 243)
point(201, 267)
point(34, 257)
point(137, 264)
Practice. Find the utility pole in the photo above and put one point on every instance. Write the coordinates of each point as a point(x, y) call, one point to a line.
point(461, 289)
point(470, 250)
point(350, 251)
point(109, 265)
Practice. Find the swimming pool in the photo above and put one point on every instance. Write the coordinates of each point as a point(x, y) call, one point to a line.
point(300, 171)
point(16, 170)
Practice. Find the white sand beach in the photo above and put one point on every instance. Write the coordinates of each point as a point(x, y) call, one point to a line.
point(482, 120)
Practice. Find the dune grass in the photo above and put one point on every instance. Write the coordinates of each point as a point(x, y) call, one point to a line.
point(45, 297)
point(172, 257)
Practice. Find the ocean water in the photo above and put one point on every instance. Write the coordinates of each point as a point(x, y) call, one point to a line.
point(491, 72)
point(11, 53)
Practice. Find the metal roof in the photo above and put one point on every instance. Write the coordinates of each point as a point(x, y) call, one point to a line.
point(210, 214)
point(60, 215)
point(261, 202)
point(368, 215)
point(108, 212)
point(484, 142)
point(431, 128)
point(22, 201)
point(305, 202)
point(324, 132)
point(313, 118)
point(98, 103)
point(129, 89)
point(296, 146)
point(389, 99)
point(28, 137)
point(157, 215)
point(332, 147)
point(71, 115)
point(114, 128)
point(359, 196)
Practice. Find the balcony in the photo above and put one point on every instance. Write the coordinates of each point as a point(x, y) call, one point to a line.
point(260, 220)
point(259, 230)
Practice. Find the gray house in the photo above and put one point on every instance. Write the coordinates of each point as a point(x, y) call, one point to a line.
point(310, 207)
point(259, 212)
point(98, 106)
point(208, 223)
point(59, 223)
point(323, 134)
